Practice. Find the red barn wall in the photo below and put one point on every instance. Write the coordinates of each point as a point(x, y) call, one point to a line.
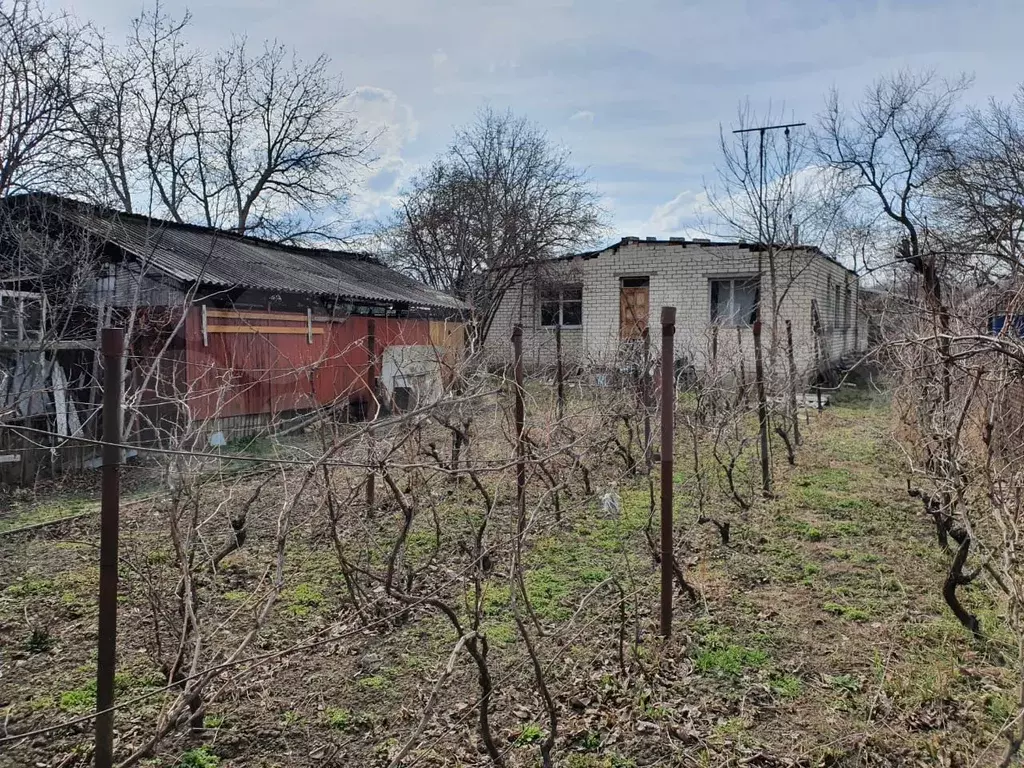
point(266, 363)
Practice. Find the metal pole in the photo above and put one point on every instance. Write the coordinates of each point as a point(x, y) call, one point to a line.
point(645, 394)
point(559, 372)
point(668, 390)
point(793, 383)
point(371, 382)
point(112, 346)
point(762, 413)
point(520, 426)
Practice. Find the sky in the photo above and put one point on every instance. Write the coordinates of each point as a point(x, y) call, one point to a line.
point(637, 91)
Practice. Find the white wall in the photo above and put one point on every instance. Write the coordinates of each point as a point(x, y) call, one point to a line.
point(680, 275)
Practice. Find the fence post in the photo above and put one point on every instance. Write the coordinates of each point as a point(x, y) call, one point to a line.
point(371, 382)
point(668, 391)
point(520, 427)
point(559, 372)
point(762, 413)
point(112, 348)
point(645, 395)
point(793, 383)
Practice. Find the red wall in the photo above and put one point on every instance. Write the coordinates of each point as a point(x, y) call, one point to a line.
point(247, 372)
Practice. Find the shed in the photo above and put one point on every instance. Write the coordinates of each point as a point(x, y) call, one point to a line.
point(228, 335)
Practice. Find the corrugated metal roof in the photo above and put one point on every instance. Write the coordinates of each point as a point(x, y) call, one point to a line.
point(214, 257)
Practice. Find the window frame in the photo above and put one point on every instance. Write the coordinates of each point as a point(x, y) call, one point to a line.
point(561, 302)
point(732, 315)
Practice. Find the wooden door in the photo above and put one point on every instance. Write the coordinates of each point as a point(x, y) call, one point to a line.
point(634, 307)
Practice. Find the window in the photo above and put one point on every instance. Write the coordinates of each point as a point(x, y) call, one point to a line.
point(835, 307)
point(561, 305)
point(846, 309)
point(735, 301)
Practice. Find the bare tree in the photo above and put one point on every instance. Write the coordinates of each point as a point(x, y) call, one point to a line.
point(501, 201)
point(981, 218)
point(260, 144)
point(39, 57)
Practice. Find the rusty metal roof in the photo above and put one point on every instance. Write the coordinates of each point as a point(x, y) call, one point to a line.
point(194, 254)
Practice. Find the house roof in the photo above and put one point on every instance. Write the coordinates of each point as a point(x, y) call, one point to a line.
point(214, 257)
point(682, 243)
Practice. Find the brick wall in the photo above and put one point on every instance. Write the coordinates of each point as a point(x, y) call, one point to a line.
point(680, 275)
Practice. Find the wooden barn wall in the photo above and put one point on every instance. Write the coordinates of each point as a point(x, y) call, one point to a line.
point(267, 362)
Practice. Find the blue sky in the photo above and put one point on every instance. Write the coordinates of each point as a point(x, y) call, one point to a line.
point(636, 90)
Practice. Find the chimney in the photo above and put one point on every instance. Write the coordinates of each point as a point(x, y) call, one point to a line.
point(702, 240)
point(796, 234)
point(677, 239)
point(651, 239)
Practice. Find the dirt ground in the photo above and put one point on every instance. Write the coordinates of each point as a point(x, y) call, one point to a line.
point(819, 637)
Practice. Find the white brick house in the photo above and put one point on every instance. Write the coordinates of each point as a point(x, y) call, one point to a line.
point(604, 298)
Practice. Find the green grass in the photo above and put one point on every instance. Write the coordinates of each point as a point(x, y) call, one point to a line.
point(25, 514)
point(847, 612)
point(729, 659)
point(340, 719)
point(200, 757)
point(531, 734)
point(787, 686)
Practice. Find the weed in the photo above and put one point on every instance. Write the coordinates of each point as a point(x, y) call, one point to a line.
point(346, 720)
point(374, 682)
point(730, 659)
point(592, 761)
point(307, 595)
point(213, 721)
point(846, 611)
point(159, 557)
point(531, 734)
point(501, 634)
point(731, 727)
point(807, 531)
point(40, 641)
point(290, 718)
point(200, 757)
point(79, 701)
point(589, 741)
point(82, 700)
point(787, 686)
point(30, 588)
point(848, 529)
point(303, 598)
point(845, 683)
point(338, 719)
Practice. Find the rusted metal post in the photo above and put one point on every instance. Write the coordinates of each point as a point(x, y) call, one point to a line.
point(371, 364)
point(668, 391)
point(645, 395)
point(559, 372)
point(520, 426)
point(112, 347)
point(762, 413)
point(371, 383)
point(792, 383)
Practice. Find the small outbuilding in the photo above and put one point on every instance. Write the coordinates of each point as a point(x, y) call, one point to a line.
point(227, 335)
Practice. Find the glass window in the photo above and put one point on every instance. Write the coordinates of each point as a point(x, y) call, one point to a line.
point(561, 305)
point(735, 301)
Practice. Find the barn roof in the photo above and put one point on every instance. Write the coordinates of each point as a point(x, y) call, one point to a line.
point(214, 257)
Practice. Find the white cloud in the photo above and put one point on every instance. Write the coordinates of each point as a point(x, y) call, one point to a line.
point(583, 116)
point(380, 113)
point(680, 216)
point(439, 58)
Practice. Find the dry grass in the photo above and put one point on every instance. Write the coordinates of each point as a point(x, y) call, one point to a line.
point(820, 639)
